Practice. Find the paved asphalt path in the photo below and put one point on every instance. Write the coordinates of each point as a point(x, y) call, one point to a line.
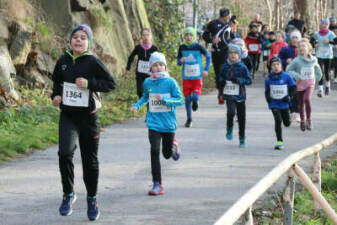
point(210, 176)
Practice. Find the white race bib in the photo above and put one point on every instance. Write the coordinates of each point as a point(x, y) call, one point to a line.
point(192, 70)
point(253, 47)
point(74, 96)
point(278, 91)
point(143, 66)
point(157, 106)
point(231, 88)
point(266, 52)
point(307, 73)
point(323, 51)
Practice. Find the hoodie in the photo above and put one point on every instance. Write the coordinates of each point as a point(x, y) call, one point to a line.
point(161, 116)
point(306, 71)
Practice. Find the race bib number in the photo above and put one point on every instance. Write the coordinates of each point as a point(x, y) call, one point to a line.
point(143, 66)
point(231, 88)
point(307, 73)
point(253, 47)
point(157, 106)
point(278, 91)
point(324, 51)
point(192, 70)
point(74, 96)
point(266, 52)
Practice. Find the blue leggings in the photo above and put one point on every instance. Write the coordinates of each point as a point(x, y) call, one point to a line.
point(188, 103)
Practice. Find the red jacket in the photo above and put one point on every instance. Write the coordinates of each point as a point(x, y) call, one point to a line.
point(253, 45)
point(276, 47)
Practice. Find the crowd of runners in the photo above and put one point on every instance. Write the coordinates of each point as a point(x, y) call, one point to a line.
point(293, 62)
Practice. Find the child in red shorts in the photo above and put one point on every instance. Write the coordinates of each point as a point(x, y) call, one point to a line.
point(189, 56)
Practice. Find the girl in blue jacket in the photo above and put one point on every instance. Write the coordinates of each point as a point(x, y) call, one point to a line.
point(233, 78)
point(163, 95)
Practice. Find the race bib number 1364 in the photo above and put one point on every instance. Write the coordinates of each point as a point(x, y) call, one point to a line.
point(74, 96)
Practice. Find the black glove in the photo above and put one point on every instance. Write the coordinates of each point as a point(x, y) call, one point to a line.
point(234, 80)
point(267, 95)
point(286, 98)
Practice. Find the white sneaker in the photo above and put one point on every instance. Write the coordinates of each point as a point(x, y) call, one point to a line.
point(297, 118)
point(293, 117)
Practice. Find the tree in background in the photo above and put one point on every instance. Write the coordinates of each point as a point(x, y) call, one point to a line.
point(167, 22)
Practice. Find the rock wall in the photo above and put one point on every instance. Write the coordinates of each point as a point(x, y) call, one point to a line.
point(33, 34)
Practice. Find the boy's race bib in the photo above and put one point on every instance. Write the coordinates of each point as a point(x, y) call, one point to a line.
point(157, 106)
point(307, 73)
point(231, 88)
point(278, 91)
point(74, 96)
point(143, 66)
point(253, 47)
point(192, 70)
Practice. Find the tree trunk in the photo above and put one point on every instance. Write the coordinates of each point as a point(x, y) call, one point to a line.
point(270, 12)
point(277, 14)
point(304, 7)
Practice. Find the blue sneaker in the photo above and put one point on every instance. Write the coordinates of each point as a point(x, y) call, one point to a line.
point(157, 189)
point(229, 134)
point(93, 211)
point(66, 207)
point(175, 150)
point(242, 142)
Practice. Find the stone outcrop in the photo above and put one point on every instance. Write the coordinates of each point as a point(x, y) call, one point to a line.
point(116, 25)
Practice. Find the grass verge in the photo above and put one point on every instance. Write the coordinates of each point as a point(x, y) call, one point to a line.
point(32, 124)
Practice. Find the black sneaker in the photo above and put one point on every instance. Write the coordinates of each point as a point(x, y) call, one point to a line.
point(93, 211)
point(188, 123)
point(66, 207)
point(195, 105)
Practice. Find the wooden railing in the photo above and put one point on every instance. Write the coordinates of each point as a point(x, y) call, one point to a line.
point(244, 204)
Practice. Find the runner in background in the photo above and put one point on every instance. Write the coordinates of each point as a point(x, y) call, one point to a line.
point(143, 51)
point(219, 32)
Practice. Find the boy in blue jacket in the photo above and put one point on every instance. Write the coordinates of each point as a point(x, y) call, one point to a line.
point(233, 78)
point(163, 95)
point(279, 90)
point(190, 57)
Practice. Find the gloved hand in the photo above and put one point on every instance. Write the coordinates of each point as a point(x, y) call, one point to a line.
point(286, 98)
point(234, 80)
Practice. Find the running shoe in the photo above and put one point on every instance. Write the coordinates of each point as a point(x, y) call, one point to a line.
point(229, 134)
point(93, 211)
point(309, 125)
point(302, 126)
point(279, 145)
point(195, 105)
point(297, 118)
point(188, 123)
point(320, 91)
point(66, 207)
point(157, 189)
point(242, 142)
point(175, 150)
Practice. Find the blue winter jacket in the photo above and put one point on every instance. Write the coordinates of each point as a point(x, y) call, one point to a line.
point(286, 53)
point(161, 115)
point(278, 80)
point(236, 73)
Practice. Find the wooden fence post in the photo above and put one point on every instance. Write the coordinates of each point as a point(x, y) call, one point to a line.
point(248, 218)
point(288, 198)
point(307, 183)
point(316, 179)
